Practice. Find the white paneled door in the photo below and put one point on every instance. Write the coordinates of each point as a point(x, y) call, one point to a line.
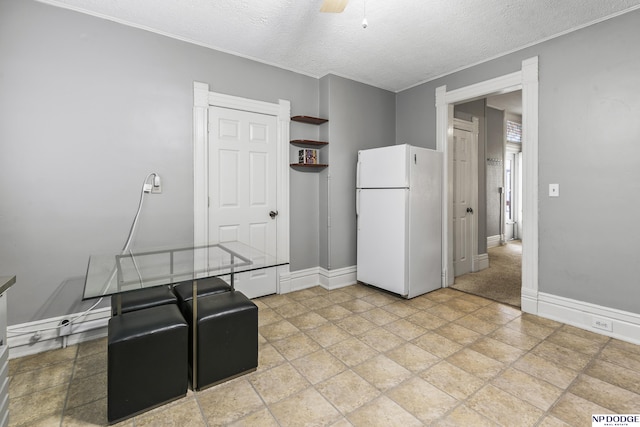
point(461, 156)
point(243, 188)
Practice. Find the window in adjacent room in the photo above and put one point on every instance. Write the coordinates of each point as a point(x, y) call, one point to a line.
point(514, 131)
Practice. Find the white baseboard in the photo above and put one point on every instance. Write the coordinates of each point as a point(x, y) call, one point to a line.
point(20, 337)
point(339, 278)
point(328, 279)
point(493, 241)
point(480, 262)
point(302, 279)
point(284, 279)
point(624, 325)
point(529, 301)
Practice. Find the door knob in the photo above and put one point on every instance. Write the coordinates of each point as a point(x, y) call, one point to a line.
point(470, 210)
point(273, 214)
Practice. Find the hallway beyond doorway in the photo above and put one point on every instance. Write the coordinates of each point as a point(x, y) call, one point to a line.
point(502, 281)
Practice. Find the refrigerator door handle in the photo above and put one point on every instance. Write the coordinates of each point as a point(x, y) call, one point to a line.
point(358, 173)
point(357, 202)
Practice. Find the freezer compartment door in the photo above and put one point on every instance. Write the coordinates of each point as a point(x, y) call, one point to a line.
point(382, 239)
point(385, 167)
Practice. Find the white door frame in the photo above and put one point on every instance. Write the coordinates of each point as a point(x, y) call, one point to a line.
point(527, 80)
point(202, 100)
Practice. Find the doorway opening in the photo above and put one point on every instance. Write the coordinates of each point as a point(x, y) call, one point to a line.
point(497, 273)
point(526, 80)
point(216, 168)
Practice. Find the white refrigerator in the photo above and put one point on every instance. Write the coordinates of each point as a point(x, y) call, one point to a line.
point(399, 214)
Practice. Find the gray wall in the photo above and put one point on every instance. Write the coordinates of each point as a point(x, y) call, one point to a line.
point(588, 143)
point(360, 117)
point(494, 168)
point(88, 108)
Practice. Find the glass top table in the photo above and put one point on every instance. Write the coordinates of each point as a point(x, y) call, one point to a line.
point(116, 274)
point(112, 274)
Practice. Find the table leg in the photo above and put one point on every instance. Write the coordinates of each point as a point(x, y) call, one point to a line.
point(194, 337)
point(233, 288)
point(119, 304)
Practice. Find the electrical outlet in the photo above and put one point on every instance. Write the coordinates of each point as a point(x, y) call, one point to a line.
point(65, 328)
point(35, 337)
point(600, 323)
point(157, 184)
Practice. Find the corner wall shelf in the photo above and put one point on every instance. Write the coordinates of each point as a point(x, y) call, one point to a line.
point(309, 165)
point(310, 120)
point(309, 143)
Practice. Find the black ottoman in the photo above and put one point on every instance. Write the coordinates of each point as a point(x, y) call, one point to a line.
point(147, 360)
point(208, 286)
point(143, 298)
point(227, 337)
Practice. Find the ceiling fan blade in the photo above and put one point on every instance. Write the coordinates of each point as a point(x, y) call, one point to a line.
point(333, 6)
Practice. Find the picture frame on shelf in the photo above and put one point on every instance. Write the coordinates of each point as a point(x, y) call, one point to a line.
point(308, 156)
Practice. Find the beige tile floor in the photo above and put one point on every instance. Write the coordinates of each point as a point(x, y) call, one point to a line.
point(358, 356)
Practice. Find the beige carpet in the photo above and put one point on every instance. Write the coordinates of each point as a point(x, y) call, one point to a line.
point(502, 280)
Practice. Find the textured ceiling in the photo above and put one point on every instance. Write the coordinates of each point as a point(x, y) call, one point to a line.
point(407, 41)
point(510, 102)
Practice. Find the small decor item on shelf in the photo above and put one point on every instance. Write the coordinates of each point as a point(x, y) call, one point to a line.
point(308, 156)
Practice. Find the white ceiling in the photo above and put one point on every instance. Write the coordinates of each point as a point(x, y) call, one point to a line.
point(510, 102)
point(406, 43)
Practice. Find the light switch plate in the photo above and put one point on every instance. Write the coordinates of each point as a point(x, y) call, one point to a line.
point(554, 190)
